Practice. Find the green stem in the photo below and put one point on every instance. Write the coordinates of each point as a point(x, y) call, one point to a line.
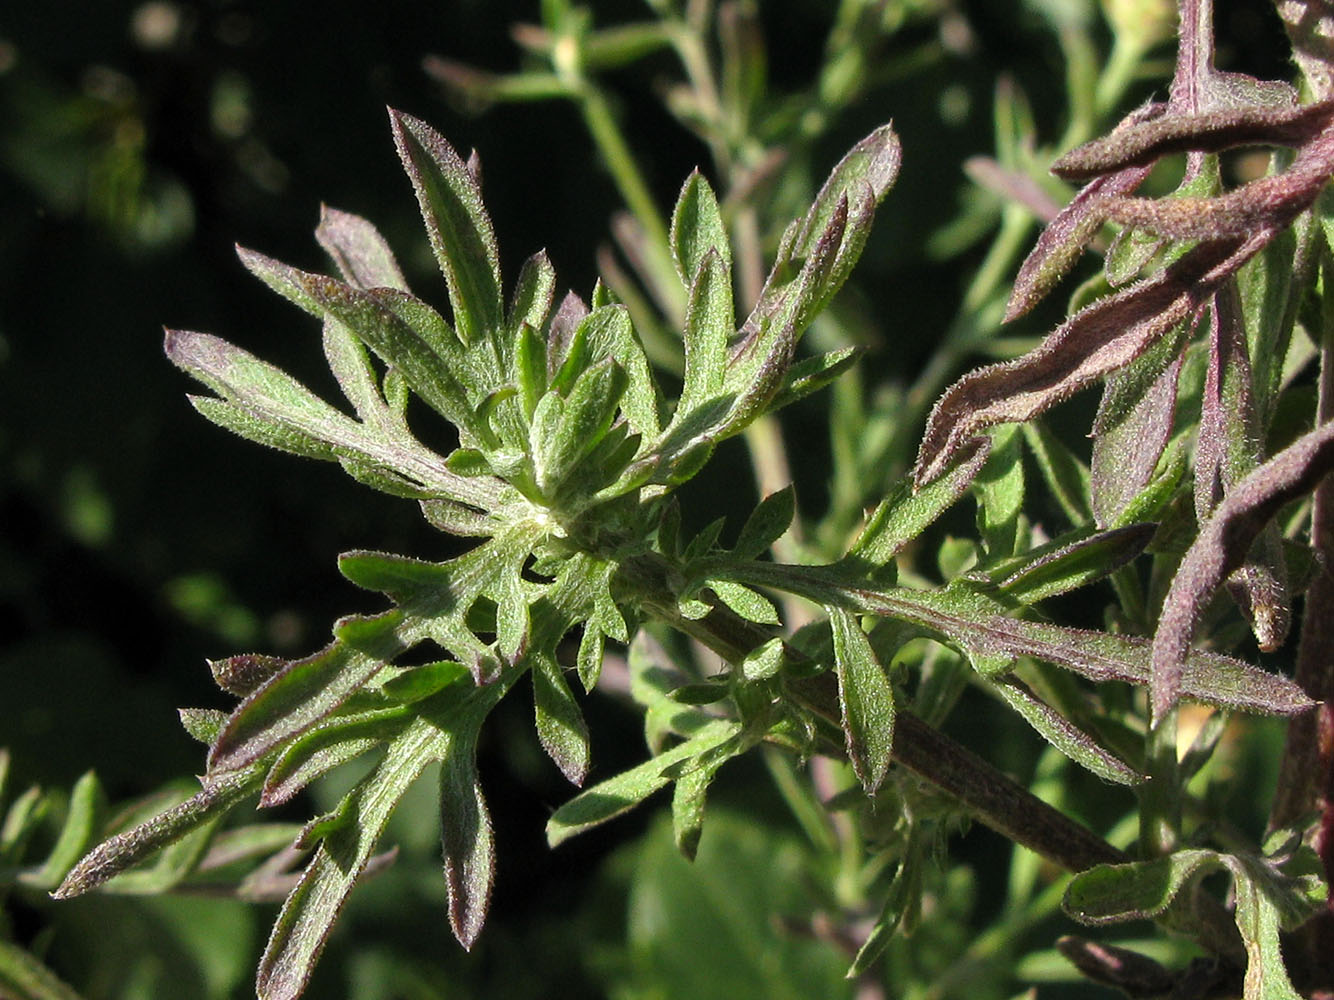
point(983, 791)
point(634, 191)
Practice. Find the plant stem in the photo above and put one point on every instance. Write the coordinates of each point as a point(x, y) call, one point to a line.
point(988, 795)
point(1306, 771)
point(615, 153)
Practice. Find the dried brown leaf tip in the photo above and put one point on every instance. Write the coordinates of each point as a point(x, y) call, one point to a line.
point(1208, 111)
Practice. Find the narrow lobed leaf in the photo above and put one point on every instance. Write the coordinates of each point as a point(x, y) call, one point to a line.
point(697, 230)
point(1221, 546)
point(622, 793)
point(560, 723)
point(461, 234)
point(467, 843)
point(867, 700)
point(1097, 340)
point(358, 250)
point(1141, 142)
point(310, 910)
point(304, 692)
point(125, 850)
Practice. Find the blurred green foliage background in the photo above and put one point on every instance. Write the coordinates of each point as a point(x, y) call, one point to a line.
point(137, 142)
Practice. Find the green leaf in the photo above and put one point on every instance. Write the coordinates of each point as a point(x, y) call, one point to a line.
point(203, 724)
point(21, 820)
point(356, 376)
point(328, 745)
point(127, 849)
point(22, 977)
point(267, 405)
point(1062, 567)
point(305, 691)
point(358, 250)
point(1268, 901)
point(1000, 493)
point(308, 915)
point(534, 293)
point(588, 662)
point(867, 700)
point(530, 368)
point(813, 374)
point(560, 723)
point(709, 325)
point(456, 221)
point(622, 793)
point(688, 799)
point(467, 842)
point(1066, 737)
point(87, 804)
point(1066, 477)
point(609, 333)
point(904, 515)
point(766, 524)
point(420, 682)
point(747, 603)
point(765, 662)
point(903, 898)
point(584, 421)
point(697, 230)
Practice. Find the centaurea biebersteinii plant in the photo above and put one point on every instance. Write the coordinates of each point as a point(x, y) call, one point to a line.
point(568, 453)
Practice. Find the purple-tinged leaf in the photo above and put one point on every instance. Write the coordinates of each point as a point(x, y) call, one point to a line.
point(467, 842)
point(1064, 239)
point(560, 723)
point(326, 746)
point(1223, 544)
point(873, 163)
point(1133, 425)
point(456, 221)
point(358, 250)
point(1076, 564)
point(405, 332)
point(866, 698)
point(127, 849)
point(626, 790)
point(1228, 440)
point(1064, 735)
point(304, 692)
point(975, 623)
point(1228, 447)
point(1139, 144)
point(309, 913)
point(1097, 340)
point(243, 673)
point(569, 317)
point(1012, 185)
